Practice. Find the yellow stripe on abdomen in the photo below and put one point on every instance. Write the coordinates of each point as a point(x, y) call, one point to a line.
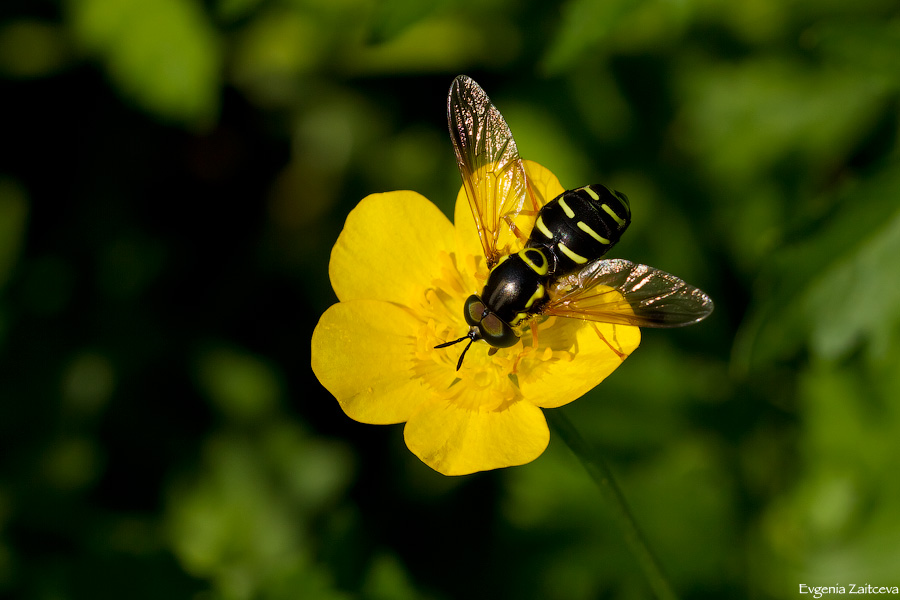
point(613, 214)
point(588, 230)
point(577, 258)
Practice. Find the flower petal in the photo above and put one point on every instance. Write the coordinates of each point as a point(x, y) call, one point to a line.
point(362, 352)
point(458, 441)
point(601, 348)
point(541, 180)
point(389, 248)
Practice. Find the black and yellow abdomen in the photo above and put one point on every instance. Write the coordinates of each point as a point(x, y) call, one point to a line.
point(579, 226)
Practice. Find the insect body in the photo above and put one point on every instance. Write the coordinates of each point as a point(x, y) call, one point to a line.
point(559, 270)
point(579, 226)
point(564, 238)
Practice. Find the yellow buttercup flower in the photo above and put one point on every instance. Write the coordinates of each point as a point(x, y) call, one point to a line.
point(402, 272)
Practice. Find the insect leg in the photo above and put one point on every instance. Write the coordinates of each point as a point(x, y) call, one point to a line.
point(512, 224)
point(537, 201)
point(619, 353)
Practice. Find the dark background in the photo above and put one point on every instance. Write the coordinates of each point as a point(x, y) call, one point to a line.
point(173, 174)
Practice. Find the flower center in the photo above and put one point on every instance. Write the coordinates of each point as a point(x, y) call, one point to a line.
point(489, 378)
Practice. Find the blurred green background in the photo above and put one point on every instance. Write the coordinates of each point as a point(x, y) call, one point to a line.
point(173, 174)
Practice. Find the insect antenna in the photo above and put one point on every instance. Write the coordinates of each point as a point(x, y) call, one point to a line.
point(469, 337)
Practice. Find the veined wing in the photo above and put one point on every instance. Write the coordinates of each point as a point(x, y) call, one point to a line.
point(489, 163)
point(622, 292)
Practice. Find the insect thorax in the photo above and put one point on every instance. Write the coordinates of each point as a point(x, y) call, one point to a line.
point(579, 226)
point(516, 287)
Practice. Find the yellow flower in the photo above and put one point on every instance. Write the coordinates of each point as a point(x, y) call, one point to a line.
point(402, 272)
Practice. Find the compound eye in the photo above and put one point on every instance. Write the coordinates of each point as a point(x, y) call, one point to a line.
point(474, 310)
point(491, 326)
point(496, 332)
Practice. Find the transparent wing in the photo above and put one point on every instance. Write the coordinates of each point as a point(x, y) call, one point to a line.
point(622, 292)
point(492, 172)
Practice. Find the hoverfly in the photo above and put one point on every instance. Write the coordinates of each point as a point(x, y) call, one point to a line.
point(559, 269)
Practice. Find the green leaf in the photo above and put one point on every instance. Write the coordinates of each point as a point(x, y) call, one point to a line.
point(31, 48)
point(244, 520)
point(857, 299)
point(234, 10)
point(435, 44)
point(242, 386)
point(836, 289)
point(163, 55)
point(870, 47)
point(585, 25)
point(838, 519)
point(387, 579)
point(750, 119)
point(271, 51)
point(392, 17)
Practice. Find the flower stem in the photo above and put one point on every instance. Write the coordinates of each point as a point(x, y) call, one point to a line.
point(600, 472)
